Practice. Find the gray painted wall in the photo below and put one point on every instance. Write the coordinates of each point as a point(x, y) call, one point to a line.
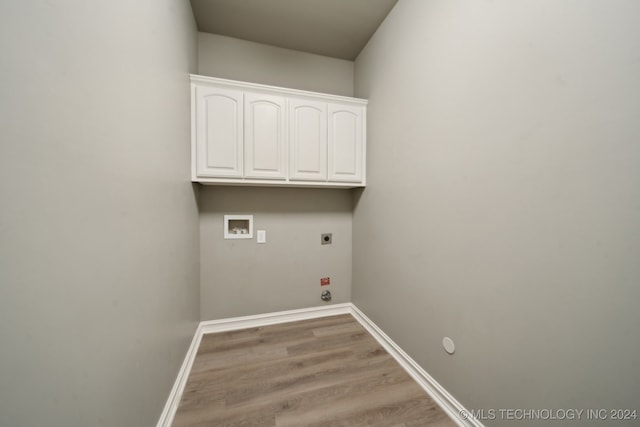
point(236, 59)
point(241, 277)
point(503, 203)
point(98, 219)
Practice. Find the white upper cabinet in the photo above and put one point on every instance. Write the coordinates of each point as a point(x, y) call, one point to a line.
point(265, 133)
point(308, 140)
point(345, 143)
point(218, 132)
point(250, 134)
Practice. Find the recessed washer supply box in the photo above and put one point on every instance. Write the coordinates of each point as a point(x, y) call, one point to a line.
point(238, 226)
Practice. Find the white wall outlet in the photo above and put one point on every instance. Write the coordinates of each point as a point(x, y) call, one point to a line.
point(262, 236)
point(448, 345)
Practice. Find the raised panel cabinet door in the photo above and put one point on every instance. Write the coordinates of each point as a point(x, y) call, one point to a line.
point(345, 143)
point(265, 148)
point(219, 136)
point(308, 140)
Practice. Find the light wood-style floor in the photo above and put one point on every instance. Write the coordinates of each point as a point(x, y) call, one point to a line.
point(319, 372)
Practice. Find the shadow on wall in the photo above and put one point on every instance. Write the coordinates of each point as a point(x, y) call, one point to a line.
point(275, 200)
point(357, 195)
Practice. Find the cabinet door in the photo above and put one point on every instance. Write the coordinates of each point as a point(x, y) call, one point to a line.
point(265, 148)
point(345, 143)
point(218, 132)
point(308, 140)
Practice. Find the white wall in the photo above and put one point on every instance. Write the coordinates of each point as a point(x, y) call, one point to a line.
point(502, 204)
point(241, 277)
point(98, 219)
point(236, 59)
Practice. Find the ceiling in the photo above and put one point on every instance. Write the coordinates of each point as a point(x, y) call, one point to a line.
point(336, 28)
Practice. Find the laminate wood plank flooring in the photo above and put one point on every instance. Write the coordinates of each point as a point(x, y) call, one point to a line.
point(320, 372)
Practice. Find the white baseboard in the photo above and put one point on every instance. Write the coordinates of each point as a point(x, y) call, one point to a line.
point(447, 402)
point(235, 323)
point(232, 324)
point(170, 408)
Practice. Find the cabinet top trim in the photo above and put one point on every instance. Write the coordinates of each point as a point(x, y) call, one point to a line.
point(246, 85)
